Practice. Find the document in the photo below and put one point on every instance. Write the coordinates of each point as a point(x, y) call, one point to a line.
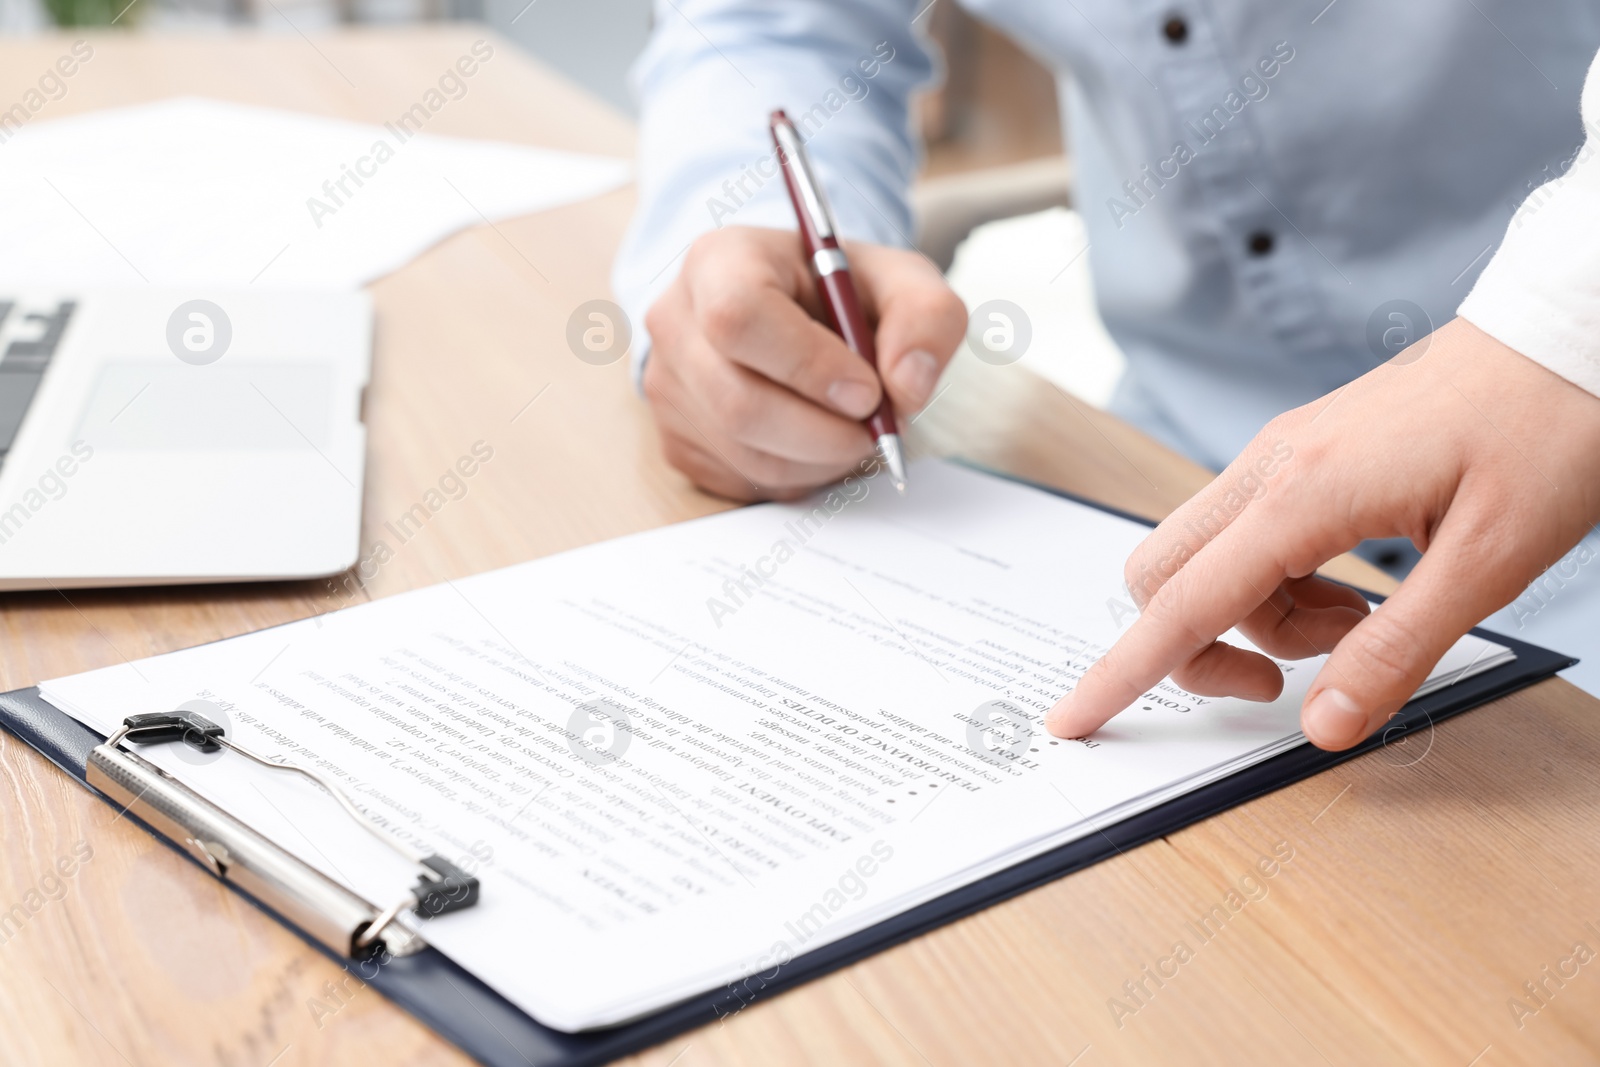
point(196, 192)
point(680, 759)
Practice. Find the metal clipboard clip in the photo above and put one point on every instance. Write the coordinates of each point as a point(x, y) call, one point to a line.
point(340, 919)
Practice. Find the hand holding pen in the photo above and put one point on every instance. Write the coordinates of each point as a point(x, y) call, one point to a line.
point(754, 396)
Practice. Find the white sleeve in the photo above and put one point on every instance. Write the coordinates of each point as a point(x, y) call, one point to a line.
point(707, 81)
point(1540, 294)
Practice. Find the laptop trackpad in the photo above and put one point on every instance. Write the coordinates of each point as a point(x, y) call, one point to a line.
point(217, 407)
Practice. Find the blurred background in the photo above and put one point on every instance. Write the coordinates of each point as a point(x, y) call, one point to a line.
point(992, 204)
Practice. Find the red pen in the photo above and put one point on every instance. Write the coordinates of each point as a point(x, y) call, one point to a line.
point(818, 235)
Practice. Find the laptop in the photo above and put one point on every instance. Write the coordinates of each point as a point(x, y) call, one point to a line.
point(151, 437)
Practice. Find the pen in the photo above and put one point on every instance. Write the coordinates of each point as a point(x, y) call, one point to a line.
point(819, 236)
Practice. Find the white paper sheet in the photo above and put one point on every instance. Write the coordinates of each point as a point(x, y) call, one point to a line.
point(804, 756)
point(193, 191)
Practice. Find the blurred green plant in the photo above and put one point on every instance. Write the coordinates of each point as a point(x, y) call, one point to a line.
point(93, 12)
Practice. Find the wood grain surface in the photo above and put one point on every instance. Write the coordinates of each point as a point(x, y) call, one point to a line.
point(1423, 885)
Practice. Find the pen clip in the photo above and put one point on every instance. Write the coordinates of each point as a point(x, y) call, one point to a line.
point(792, 153)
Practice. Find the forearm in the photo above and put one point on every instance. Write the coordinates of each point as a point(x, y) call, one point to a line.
point(711, 74)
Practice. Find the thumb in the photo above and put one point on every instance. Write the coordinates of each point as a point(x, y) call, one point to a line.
point(921, 321)
point(1380, 664)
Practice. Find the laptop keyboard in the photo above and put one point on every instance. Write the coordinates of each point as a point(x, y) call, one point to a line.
point(35, 336)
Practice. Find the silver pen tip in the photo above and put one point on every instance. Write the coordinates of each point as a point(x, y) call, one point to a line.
point(894, 459)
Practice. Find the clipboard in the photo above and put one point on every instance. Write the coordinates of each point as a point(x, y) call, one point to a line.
point(448, 999)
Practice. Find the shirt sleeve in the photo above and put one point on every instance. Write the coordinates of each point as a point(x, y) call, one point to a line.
point(1540, 294)
point(708, 79)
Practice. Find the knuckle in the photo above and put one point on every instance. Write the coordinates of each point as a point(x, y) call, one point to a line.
point(1154, 564)
point(1382, 650)
point(703, 471)
point(1171, 612)
point(1280, 425)
point(1107, 682)
point(930, 310)
point(705, 252)
point(770, 472)
point(742, 412)
point(949, 316)
point(1487, 536)
point(1278, 443)
point(654, 380)
point(660, 321)
point(685, 457)
point(1289, 425)
point(677, 453)
point(651, 382)
point(1136, 575)
point(1294, 443)
point(726, 317)
point(1280, 637)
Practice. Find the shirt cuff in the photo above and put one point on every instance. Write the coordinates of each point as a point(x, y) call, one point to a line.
point(1540, 294)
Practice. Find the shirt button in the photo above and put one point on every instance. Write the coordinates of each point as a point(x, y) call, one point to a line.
point(1260, 243)
point(1175, 29)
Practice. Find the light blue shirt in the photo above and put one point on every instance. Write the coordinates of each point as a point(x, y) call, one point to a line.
point(1258, 179)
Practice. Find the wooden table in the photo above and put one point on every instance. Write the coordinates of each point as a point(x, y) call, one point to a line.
point(1427, 882)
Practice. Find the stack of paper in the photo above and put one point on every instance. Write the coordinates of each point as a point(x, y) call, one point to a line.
point(687, 756)
point(190, 192)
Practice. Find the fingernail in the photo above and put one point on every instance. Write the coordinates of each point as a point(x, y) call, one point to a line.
point(857, 399)
point(1053, 717)
point(1332, 720)
point(915, 376)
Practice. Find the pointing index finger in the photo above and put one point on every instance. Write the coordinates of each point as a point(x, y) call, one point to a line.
point(1222, 584)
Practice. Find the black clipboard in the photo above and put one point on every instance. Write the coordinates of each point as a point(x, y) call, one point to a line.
point(483, 1024)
